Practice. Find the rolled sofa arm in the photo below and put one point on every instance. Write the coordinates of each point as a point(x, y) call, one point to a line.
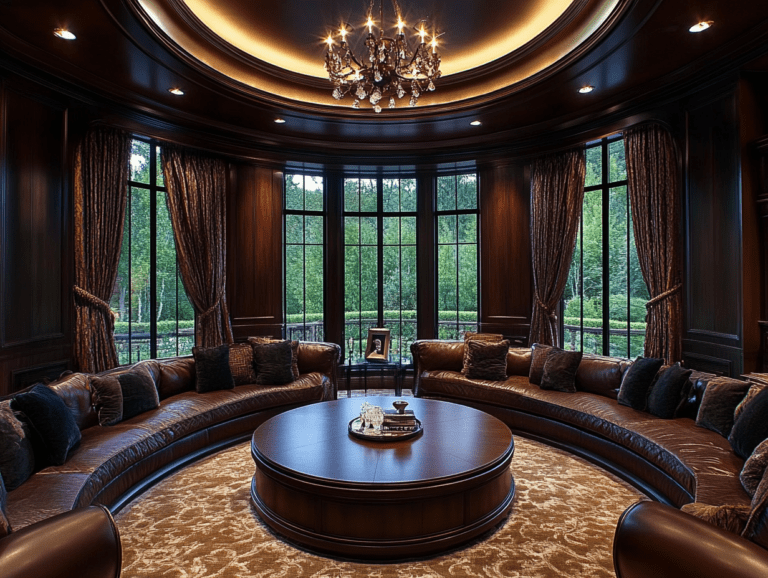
point(434, 354)
point(653, 540)
point(322, 357)
point(84, 542)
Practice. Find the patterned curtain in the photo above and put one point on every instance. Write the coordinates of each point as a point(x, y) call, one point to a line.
point(557, 193)
point(652, 176)
point(197, 206)
point(101, 185)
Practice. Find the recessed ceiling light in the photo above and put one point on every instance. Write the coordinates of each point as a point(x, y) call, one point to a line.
point(586, 89)
point(176, 91)
point(63, 33)
point(476, 123)
point(280, 120)
point(701, 26)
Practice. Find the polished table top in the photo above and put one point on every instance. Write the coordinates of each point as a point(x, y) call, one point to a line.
point(313, 442)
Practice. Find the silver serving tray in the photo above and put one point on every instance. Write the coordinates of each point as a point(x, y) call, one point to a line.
point(354, 429)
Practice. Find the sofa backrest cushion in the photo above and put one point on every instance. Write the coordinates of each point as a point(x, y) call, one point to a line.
point(519, 361)
point(177, 375)
point(600, 375)
point(75, 390)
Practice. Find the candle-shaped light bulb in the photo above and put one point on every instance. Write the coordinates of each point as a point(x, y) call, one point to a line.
point(400, 25)
point(422, 33)
point(369, 24)
point(343, 32)
point(329, 40)
point(433, 44)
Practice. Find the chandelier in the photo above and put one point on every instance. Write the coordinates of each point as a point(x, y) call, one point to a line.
point(389, 69)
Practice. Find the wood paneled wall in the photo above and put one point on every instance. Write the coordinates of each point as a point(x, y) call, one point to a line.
point(35, 271)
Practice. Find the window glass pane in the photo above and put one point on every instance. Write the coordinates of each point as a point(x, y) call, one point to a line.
point(352, 280)
point(618, 167)
point(294, 283)
point(467, 282)
point(314, 229)
point(617, 272)
point(446, 281)
point(368, 200)
point(294, 192)
point(593, 272)
point(594, 175)
point(351, 230)
point(140, 162)
point(408, 232)
point(467, 191)
point(120, 303)
point(446, 229)
point(572, 301)
point(165, 263)
point(294, 229)
point(391, 227)
point(408, 195)
point(467, 232)
point(160, 178)
point(314, 193)
point(313, 307)
point(368, 231)
point(351, 195)
point(141, 313)
point(446, 193)
point(369, 286)
point(391, 198)
point(391, 281)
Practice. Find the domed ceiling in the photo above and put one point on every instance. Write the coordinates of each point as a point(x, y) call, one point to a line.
point(278, 47)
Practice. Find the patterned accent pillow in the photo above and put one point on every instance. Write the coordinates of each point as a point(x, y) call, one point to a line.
point(487, 360)
point(294, 351)
point(560, 370)
point(474, 336)
point(539, 353)
point(273, 363)
point(754, 468)
point(241, 363)
point(727, 517)
point(719, 403)
point(17, 456)
point(107, 398)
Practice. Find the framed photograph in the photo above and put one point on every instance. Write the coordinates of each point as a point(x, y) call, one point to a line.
point(378, 345)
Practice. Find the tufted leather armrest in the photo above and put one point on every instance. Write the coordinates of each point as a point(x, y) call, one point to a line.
point(653, 540)
point(83, 543)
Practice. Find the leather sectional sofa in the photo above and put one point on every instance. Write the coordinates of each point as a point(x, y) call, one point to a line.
point(112, 464)
point(672, 460)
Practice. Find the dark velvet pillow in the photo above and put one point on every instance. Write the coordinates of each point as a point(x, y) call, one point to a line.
point(754, 468)
point(17, 456)
point(487, 359)
point(212, 371)
point(731, 518)
point(139, 392)
point(107, 398)
point(294, 351)
point(539, 354)
point(273, 363)
point(474, 336)
point(637, 381)
point(52, 421)
point(241, 363)
point(752, 426)
point(667, 393)
point(5, 524)
point(560, 370)
point(719, 403)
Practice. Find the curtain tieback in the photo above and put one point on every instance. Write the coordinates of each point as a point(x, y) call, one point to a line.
point(213, 307)
point(91, 300)
point(661, 297)
point(550, 311)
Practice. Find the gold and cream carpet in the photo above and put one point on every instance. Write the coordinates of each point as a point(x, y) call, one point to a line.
point(200, 523)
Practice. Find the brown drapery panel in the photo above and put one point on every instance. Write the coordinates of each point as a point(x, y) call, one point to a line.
point(101, 185)
point(197, 207)
point(652, 176)
point(557, 193)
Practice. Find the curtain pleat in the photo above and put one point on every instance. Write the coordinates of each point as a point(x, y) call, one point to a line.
point(101, 185)
point(652, 176)
point(557, 193)
point(197, 207)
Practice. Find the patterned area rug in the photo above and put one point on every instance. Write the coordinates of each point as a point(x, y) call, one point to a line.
point(200, 523)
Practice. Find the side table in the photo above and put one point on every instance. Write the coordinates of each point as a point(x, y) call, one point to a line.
point(393, 367)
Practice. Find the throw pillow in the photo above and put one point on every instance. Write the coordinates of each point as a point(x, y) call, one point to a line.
point(212, 370)
point(487, 359)
point(731, 518)
point(754, 389)
point(752, 426)
point(52, 421)
point(17, 457)
point(139, 392)
point(637, 382)
point(474, 336)
point(294, 352)
point(273, 363)
point(667, 393)
point(241, 363)
point(107, 398)
point(539, 354)
point(5, 524)
point(754, 468)
point(560, 370)
point(757, 524)
point(719, 403)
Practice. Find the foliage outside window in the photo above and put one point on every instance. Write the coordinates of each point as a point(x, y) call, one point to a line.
point(154, 317)
point(379, 263)
point(304, 257)
point(604, 299)
point(457, 271)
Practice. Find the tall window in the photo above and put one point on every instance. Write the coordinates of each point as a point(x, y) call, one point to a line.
point(154, 317)
point(604, 300)
point(457, 271)
point(379, 262)
point(304, 257)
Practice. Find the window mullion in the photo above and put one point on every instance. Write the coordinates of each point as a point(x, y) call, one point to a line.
point(606, 248)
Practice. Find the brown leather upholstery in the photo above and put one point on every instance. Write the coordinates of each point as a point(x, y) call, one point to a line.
point(176, 376)
point(84, 543)
point(600, 375)
point(75, 390)
point(656, 541)
point(322, 357)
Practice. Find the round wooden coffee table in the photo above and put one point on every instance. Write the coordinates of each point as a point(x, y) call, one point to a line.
point(326, 490)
